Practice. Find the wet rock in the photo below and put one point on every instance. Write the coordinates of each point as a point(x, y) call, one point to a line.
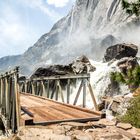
point(124, 126)
point(82, 65)
point(127, 63)
point(119, 51)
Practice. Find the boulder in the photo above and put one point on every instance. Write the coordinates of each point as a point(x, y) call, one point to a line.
point(124, 126)
point(52, 71)
point(127, 63)
point(119, 51)
point(82, 65)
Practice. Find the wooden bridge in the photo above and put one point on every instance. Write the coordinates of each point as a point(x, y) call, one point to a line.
point(40, 101)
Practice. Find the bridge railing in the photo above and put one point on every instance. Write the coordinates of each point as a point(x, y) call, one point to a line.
point(9, 100)
point(52, 87)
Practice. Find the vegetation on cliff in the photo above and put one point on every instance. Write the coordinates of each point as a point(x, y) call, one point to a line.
point(130, 78)
point(131, 7)
point(132, 115)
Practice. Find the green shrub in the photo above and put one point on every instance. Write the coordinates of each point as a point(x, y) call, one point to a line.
point(132, 115)
point(131, 7)
point(132, 77)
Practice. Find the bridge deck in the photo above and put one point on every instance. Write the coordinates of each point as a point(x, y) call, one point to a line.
point(44, 111)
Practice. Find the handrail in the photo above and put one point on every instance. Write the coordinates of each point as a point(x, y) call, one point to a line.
point(9, 100)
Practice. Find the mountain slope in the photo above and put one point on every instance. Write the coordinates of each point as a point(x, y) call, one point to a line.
point(89, 28)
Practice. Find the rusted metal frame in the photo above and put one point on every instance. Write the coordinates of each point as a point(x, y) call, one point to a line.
point(78, 93)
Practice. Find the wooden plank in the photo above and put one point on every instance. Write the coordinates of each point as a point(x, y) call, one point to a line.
point(49, 111)
point(78, 93)
point(84, 93)
point(93, 97)
point(58, 77)
point(68, 91)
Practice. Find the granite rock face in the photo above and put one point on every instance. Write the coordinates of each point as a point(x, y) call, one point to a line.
point(89, 28)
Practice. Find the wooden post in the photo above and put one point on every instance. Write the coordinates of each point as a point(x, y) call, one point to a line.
point(7, 97)
point(13, 115)
point(61, 93)
point(43, 88)
point(78, 93)
point(48, 88)
point(3, 98)
point(17, 98)
point(53, 90)
point(57, 90)
point(33, 90)
point(1, 92)
point(25, 86)
point(68, 91)
point(84, 93)
point(93, 97)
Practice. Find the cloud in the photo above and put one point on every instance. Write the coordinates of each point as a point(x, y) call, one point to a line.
point(58, 3)
point(15, 35)
point(41, 5)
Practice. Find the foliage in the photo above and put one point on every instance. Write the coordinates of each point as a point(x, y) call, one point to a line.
point(132, 115)
point(131, 7)
point(132, 77)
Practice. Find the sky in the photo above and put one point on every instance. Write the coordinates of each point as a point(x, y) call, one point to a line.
point(23, 22)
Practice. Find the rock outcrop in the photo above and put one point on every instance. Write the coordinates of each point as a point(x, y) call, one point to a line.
point(126, 64)
point(119, 51)
point(80, 66)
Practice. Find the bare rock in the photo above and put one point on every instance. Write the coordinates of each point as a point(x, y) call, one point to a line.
point(106, 122)
point(82, 65)
point(79, 66)
point(124, 126)
point(115, 136)
point(76, 125)
point(127, 63)
point(119, 51)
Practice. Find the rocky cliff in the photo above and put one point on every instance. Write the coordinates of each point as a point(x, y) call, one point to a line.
point(89, 28)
